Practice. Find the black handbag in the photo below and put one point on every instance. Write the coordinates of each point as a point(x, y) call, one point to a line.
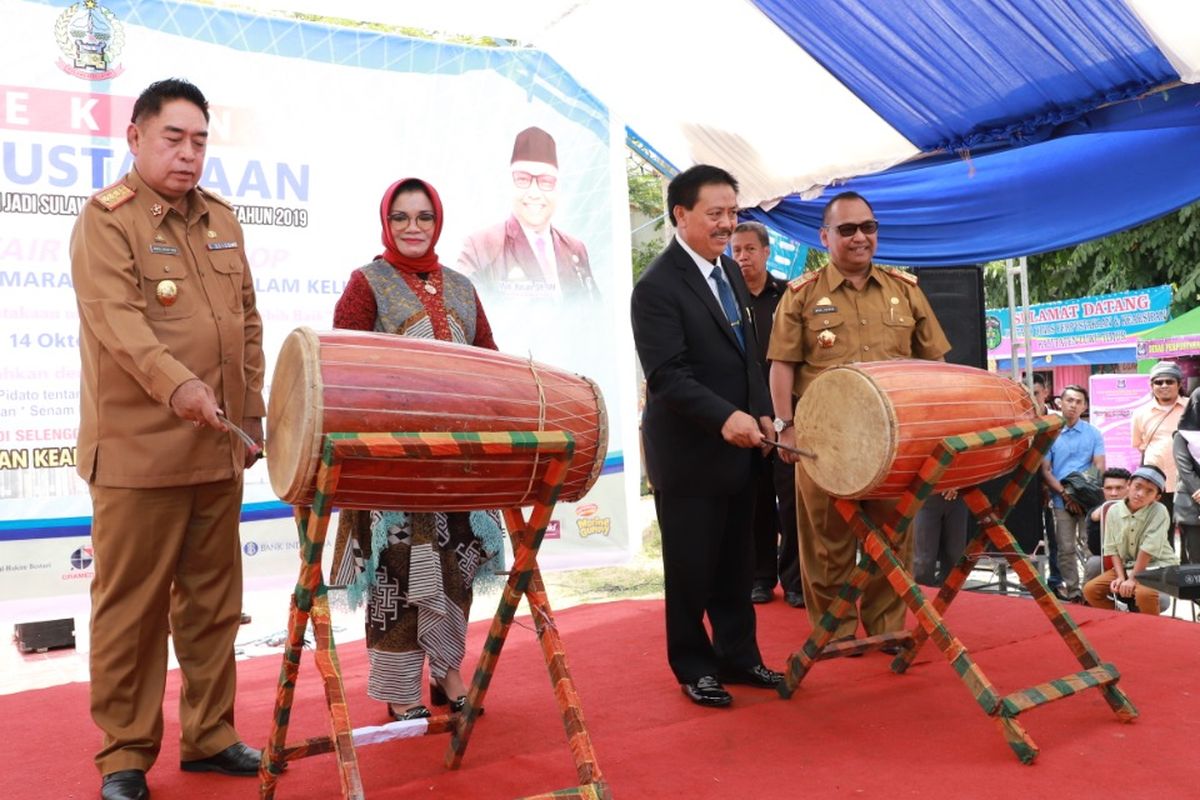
point(1082, 489)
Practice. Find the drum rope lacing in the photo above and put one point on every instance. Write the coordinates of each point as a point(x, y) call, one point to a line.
point(541, 423)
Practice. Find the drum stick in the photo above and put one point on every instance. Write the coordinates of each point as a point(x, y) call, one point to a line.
point(251, 445)
point(796, 451)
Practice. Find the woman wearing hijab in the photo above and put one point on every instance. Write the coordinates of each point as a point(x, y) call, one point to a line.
point(415, 570)
point(1187, 487)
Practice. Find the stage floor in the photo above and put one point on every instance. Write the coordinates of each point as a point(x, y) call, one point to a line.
point(853, 729)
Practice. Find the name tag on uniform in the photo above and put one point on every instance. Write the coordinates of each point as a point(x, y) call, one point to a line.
point(825, 310)
point(222, 245)
point(164, 250)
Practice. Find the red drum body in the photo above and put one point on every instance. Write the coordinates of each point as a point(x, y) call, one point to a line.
point(355, 382)
point(873, 425)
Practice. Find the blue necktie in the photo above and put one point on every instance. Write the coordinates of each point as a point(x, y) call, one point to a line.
point(725, 292)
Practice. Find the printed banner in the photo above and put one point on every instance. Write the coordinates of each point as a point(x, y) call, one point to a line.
point(1114, 398)
point(310, 124)
point(1100, 322)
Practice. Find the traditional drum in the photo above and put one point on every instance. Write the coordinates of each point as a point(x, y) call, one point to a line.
point(872, 425)
point(355, 382)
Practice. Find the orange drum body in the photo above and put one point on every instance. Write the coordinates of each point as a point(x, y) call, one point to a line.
point(354, 382)
point(872, 425)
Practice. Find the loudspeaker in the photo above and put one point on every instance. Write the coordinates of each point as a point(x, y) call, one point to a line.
point(38, 637)
point(956, 296)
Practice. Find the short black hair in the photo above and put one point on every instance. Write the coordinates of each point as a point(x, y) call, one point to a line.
point(837, 198)
point(1120, 473)
point(1075, 387)
point(150, 101)
point(764, 238)
point(1039, 380)
point(684, 188)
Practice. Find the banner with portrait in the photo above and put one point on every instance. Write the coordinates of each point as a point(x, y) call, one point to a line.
point(309, 125)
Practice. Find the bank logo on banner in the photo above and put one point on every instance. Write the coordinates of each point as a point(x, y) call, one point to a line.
point(90, 38)
point(81, 558)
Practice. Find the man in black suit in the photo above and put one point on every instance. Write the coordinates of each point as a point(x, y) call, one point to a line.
point(706, 415)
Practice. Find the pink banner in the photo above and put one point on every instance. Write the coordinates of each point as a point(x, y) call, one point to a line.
point(1114, 399)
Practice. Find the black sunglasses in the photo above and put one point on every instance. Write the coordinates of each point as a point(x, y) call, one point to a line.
point(848, 229)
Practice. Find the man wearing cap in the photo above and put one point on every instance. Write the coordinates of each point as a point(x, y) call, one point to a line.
point(1135, 536)
point(525, 256)
point(1153, 428)
point(171, 349)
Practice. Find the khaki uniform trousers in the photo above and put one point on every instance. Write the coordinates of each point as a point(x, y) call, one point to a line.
point(158, 553)
point(828, 552)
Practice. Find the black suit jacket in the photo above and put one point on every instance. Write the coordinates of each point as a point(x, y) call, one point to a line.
point(696, 376)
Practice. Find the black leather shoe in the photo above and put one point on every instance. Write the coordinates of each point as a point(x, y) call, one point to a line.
point(794, 599)
point(707, 691)
point(238, 759)
point(128, 784)
point(758, 675)
point(761, 594)
point(892, 648)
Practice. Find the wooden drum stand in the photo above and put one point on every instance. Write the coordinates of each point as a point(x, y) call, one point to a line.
point(878, 537)
point(309, 601)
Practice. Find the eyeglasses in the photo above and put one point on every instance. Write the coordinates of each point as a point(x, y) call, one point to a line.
point(848, 229)
point(1164, 381)
point(522, 180)
point(425, 220)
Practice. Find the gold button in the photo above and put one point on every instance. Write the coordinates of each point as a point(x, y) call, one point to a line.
point(864, 322)
point(827, 323)
point(866, 347)
point(166, 268)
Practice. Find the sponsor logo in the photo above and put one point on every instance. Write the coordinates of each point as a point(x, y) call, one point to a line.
point(90, 37)
point(586, 510)
point(553, 530)
point(254, 548)
point(594, 525)
point(82, 558)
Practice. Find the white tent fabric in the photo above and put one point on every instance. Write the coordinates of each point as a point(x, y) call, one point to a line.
point(718, 81)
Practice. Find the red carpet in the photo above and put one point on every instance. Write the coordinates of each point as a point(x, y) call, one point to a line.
point(853, 729)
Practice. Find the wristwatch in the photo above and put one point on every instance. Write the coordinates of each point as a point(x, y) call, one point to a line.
point(782, 425)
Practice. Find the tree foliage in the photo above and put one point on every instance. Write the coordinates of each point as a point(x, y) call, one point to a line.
point(1163, 251)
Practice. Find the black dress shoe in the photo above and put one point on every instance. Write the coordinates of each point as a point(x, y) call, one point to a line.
point(438, 697)
point(761, 594)
point(238, 759)
point(707, 691)
point(758, 675)
point(794, 599)
point(892, 648)
point(128, 784)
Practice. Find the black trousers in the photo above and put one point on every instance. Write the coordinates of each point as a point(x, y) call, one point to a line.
point(708, 571)
point(776, 549)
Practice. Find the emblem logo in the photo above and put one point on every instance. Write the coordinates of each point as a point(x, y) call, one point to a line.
point(90, 37)
point(81, 558)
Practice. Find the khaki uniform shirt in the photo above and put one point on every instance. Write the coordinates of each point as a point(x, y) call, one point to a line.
point(1153, 432)
point(1126, 533)
point(129, 251)
point(822, 321)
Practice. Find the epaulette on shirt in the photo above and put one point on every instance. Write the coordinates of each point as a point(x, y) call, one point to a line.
point(798, 283)
point(115, 196)
point(211, 195)
point(907, 277)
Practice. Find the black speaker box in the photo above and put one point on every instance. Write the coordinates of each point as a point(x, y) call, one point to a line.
point(956, 296)
point(38, 637)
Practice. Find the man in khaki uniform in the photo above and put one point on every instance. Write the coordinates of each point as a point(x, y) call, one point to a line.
point(170, 335)
point(847, 312)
